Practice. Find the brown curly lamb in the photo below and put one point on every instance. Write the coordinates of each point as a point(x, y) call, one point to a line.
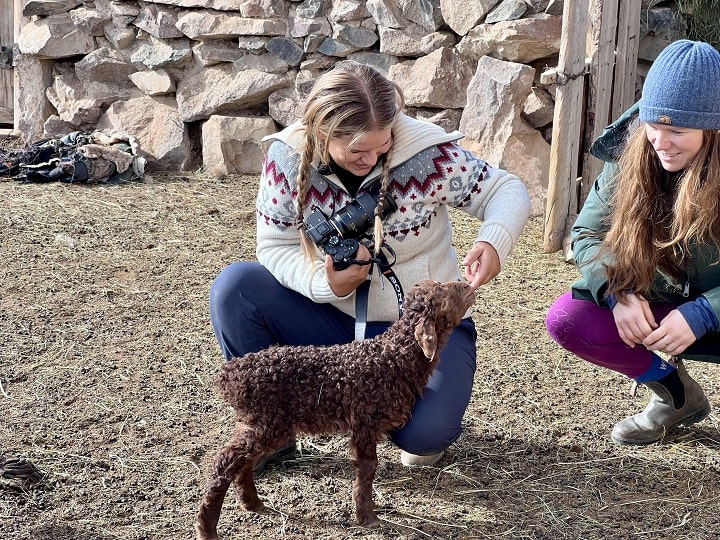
point(364, 387)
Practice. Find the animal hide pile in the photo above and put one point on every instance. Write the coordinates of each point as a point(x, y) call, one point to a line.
point(90, 158)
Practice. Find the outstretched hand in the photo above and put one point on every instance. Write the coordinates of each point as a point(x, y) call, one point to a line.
point(481, 264)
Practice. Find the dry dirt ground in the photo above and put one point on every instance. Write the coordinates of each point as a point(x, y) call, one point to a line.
point(107, 362)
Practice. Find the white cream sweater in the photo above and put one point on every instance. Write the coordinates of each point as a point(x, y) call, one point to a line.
point(428, 173)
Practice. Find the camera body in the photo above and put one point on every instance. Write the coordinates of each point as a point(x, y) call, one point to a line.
point(339, 234)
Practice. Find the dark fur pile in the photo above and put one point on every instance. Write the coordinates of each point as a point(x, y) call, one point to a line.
point(364, 387)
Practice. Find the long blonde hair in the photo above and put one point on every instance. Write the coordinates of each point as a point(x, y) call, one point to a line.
point(653, 225)
point(349, 101)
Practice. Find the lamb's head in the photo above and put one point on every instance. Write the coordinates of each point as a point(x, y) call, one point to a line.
point(435, 309)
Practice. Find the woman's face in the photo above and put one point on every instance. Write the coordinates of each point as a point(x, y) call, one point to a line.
point(676, 147)
point(361, 156)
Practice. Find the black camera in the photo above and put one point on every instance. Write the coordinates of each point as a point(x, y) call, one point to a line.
point(338, 234)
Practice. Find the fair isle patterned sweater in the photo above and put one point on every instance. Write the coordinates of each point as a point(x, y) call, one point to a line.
point(428, 173)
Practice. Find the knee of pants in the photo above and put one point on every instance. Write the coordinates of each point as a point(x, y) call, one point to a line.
point(232, 279)
point(229, 290)
point(426, 438)
point(434, 424)
point(232, 315)
point(561, 321)
point(435, 420)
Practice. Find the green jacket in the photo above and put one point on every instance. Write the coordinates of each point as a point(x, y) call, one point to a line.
point(702, 271)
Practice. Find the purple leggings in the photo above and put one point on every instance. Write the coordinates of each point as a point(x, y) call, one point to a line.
point(588, 331)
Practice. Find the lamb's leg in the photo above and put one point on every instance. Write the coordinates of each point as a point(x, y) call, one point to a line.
point(245, 490)
point(207, 517)
point(233, 462)
point(264, 443)
point(363, 456)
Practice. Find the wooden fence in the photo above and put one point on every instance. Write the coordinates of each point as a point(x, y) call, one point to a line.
point(595, 80)
point(7, 38)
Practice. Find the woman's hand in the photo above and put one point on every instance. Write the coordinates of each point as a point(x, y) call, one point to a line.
point(343, 282)
point(633, 318)
point(673, 336)
point(481, 264)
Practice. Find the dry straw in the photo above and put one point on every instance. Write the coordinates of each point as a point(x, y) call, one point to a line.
point(107, 366)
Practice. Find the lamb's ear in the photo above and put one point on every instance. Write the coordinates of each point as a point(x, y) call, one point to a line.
point(426, 337)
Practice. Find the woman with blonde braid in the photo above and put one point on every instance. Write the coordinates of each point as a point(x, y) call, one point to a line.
point(354, 142)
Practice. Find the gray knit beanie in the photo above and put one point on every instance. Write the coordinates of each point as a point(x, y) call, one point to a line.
point(682, 87)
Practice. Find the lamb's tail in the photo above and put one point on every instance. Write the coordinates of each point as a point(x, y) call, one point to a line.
point(231, 380)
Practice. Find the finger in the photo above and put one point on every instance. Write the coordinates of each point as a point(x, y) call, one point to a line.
point(677, 349)
point(475, 280)
point(656, 339)
point(667, 345)
point(328, 264)
point(645, 327)
point(636, 331)
point(470, 269)
point(648, 314)
point(626, 339)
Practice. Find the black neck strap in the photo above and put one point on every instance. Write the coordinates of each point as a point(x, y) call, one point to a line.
point(361, 294)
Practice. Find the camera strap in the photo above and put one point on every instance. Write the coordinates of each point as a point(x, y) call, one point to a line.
point(361, 307)
point(361, 294)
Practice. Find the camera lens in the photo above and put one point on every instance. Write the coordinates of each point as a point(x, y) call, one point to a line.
point(356, 217)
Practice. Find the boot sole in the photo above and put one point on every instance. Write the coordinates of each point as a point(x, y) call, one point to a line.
point(695, 418)
point(687, 421)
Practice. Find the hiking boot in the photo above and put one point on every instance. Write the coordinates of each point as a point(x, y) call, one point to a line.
point(662, 414)
point(281, 454)
point(414, 460)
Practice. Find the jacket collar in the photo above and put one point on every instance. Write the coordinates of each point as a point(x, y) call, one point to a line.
point(609, 144)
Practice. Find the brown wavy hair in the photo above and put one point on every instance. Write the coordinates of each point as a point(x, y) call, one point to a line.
point(654, 223)
point(351, 100)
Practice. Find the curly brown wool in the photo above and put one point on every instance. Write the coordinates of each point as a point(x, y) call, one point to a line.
point(364, 387)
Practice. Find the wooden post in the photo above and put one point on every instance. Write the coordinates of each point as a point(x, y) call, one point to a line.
point(628, 43)
point(7, 38)
point(567, 121)
point(19, 21)
point(600, 87)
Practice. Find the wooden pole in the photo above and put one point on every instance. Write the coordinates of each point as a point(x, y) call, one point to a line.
point(628, 43)
point(600, 87)
point(19, 21)
point(564, 150)
point(7, 38)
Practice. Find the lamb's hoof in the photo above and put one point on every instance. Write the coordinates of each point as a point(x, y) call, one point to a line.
point(203, 534)
point(369, 522)
point(258, 507)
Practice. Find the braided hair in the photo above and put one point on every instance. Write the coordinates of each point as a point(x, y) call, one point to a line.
point(349, 101)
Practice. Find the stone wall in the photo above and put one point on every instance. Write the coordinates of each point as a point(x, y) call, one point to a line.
point(199, 82)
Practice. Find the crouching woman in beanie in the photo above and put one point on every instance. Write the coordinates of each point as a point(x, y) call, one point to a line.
point(646, 243)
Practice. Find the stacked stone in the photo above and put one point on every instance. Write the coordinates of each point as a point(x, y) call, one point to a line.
point(200, 82)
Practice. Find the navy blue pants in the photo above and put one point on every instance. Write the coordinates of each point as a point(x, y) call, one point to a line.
point(250, 310)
